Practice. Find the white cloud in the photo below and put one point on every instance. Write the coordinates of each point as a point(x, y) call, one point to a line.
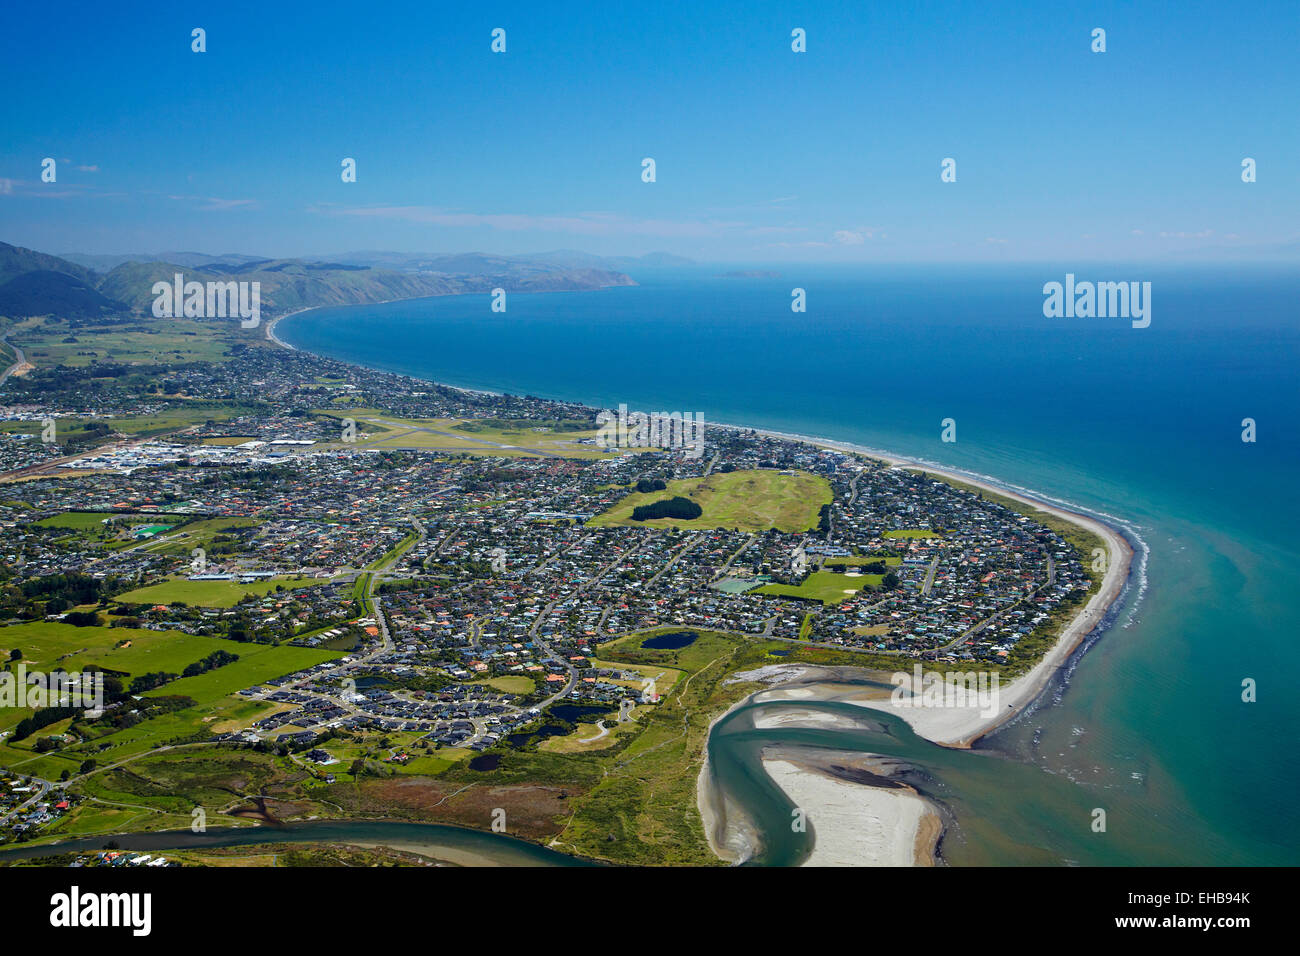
point(216, 203)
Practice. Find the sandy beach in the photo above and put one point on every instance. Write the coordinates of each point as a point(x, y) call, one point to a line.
point(270, 329)
point(861, 825)
point(843, 811)
point(853, 822)
point(962, 726)
point(730, 834)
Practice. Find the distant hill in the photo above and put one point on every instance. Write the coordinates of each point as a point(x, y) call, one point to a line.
point(15, 260)
point(571, 259)
point(195, 260)
point(46, 292)
point(478, 263)
point(291, 284)
point(54, 285)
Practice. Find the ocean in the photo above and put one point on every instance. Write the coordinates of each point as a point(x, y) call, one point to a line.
point(1141, 426)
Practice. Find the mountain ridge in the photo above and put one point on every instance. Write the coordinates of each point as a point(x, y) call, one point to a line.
point(58, 284)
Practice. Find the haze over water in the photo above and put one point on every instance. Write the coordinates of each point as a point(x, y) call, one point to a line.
point(1141, 425)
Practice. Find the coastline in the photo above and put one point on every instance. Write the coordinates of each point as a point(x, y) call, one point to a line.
point(961, 727)
point(271, 323)
point(730, 834)
point(732, 838)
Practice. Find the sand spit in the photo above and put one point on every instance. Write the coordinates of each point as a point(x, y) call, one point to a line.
point(858, 816)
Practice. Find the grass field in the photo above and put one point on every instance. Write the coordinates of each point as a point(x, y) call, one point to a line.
point(50, 646)
point(511, 684)
point(210, 593)
point(744, 500)
point(86, 520)
point(257, 662)
point(197, 534)
point(169, 419)
point(912, 533)
point(378, 429)
point(138, 426)
point(858, 560)
point(825, 586)
point(628, 798)
point(146, 341)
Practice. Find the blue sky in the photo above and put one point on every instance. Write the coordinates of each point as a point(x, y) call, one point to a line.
point(763, 155)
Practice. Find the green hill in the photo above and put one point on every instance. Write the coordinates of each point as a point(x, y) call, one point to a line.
point(46, 292)
point(16, 261)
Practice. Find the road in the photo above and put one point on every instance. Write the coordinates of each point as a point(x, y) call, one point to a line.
point(546, 611)
point(20, 360)
point(45, 787)
point(929, 576)
point(732, 560)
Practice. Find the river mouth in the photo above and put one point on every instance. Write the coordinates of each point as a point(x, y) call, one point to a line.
point(989, 799)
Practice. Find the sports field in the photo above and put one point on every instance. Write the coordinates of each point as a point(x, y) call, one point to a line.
point(84, 520)
point(825, 586)
point(858, 560)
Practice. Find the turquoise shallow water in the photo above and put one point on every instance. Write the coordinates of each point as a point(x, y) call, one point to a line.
point(1140, 425)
